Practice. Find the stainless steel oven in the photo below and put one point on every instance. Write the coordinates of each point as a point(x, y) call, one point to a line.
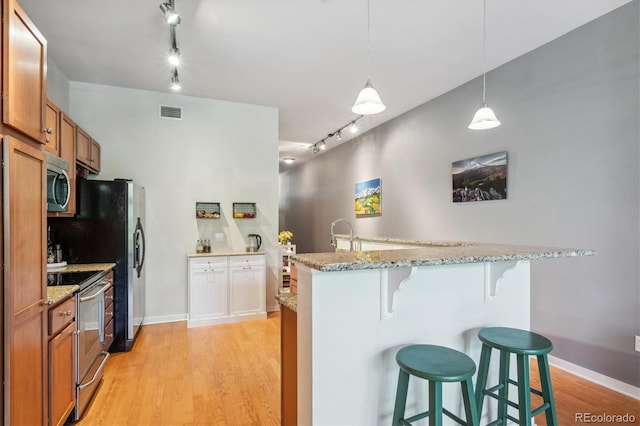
point(90, 322)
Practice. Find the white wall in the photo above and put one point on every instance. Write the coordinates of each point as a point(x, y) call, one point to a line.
point(220, 151)
point(570, 114)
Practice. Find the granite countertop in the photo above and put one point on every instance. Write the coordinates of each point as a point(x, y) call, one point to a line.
point(58, 293)
point(84, 267)
point(290, 300)
point(429, 254)
point(225, 253)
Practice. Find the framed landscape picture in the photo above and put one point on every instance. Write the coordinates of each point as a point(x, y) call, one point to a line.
point(480, 178)
point(367, 198)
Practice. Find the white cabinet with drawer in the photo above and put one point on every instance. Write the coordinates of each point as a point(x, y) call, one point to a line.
point(224, 289)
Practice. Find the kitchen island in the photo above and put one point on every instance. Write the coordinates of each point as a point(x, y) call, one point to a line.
point(355, 310)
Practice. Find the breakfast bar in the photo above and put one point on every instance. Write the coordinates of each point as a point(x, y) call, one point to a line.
point(356, 309)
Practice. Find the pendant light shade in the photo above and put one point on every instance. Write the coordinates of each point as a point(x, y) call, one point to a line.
point(368, 101)
point(484, 118)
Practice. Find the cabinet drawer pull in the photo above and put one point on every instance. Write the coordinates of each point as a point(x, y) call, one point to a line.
point(109, 313)
point(108, 336)
point(65, 313)
point(109, 297)
point(48, 130)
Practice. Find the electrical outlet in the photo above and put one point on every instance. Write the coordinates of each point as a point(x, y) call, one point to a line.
point(637, 343)
point(219, 236)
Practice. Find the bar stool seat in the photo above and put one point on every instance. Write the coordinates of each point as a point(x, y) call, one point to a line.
point(523, 344)
point(437, 364)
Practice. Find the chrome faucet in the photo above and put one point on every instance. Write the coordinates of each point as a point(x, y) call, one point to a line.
point(334, 240)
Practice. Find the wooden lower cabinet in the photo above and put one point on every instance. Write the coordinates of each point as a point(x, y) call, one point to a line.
point(24, 283)
point(289, 366)
point(62, 386)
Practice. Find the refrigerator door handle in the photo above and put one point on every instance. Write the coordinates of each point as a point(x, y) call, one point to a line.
point(139, 249)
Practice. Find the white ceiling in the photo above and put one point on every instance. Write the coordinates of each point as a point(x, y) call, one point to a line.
point(308, 58)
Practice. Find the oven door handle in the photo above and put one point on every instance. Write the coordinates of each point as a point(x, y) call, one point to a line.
point(97, 293)
point(98, 372)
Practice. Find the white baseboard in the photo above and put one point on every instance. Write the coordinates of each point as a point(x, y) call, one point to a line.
point(592, 376)
point(165, 318)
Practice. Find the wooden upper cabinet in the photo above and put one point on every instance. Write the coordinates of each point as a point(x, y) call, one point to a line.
point(25, 283)
point(52, 130)
point(95, 156)
point(87, 151)
point(83, 147)
point(24, 76)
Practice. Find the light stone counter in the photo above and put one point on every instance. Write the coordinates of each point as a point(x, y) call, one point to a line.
point(289, 300)
point(83, 267)
point(59, 293)
point(429, 254)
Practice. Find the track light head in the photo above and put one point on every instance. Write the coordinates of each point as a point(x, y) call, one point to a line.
point(170, 14)
point(322, 145)
point(338, 135)
point(174, 56)
point(175, 81)
point(316, 149)
point(353, 127)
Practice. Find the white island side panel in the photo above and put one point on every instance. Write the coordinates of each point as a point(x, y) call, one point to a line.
point(346, 353)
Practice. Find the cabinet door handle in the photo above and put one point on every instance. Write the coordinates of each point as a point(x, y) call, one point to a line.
point(47, 130)
point(65, 313)
point(109, 313)
point(108, 336)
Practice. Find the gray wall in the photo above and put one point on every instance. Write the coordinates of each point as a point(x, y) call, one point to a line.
point(570, 125)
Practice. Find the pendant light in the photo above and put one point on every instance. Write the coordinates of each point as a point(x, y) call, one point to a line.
point(484, 118)
point(368, 101)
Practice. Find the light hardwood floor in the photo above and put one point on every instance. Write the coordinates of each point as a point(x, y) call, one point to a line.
point(230, 375)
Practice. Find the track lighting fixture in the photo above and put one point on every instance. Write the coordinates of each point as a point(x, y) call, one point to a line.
point(174, 52)
point(484, 118)
point(175, 81)
point(174, 56)
point(170, 14)
point(322, 144)
point(172, 19)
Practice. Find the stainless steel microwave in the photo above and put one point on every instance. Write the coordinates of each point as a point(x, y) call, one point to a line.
point(58, 184)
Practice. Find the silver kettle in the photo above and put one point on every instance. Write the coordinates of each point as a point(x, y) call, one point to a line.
point(255, 241)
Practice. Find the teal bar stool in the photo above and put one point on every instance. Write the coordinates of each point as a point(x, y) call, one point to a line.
point(523, 344)
point(436, 364)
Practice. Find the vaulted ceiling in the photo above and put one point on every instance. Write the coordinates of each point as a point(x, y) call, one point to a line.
point(308, 58)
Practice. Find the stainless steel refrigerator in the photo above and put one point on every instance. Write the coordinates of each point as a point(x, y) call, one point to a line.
point(109, 227)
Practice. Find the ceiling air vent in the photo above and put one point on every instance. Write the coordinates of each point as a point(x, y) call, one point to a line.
point(171, 112)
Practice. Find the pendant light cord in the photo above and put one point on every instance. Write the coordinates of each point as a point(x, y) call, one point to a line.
point(368, 42)
point(484, 50)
